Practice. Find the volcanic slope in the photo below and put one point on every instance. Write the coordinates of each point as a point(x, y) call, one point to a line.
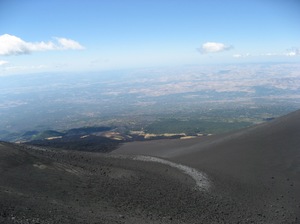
point(48, 186)
point(250, 176)
point(258, 167)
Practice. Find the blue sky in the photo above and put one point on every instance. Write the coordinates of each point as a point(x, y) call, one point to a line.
point(91, 35)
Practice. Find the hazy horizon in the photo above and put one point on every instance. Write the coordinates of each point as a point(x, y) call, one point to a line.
point(135, 64)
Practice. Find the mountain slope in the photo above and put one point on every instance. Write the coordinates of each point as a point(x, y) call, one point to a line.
point(272, 145)
point(39, 185)
point(253, 177)
point(258, 166)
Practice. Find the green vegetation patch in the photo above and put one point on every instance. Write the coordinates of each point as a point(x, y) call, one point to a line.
point(46, 134)
point(192, 127)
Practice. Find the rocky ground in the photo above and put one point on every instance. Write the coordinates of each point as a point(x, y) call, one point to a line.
point(54, 186)
point(251, 176)
point(257, 167)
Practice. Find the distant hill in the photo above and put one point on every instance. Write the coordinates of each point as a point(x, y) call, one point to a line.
point(86, 130)
point(89, 143)
point(43, 134)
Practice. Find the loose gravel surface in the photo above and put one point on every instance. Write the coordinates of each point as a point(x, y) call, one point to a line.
point(55, 186)
point(52, 186)
point(252, 176)
point(257, 168)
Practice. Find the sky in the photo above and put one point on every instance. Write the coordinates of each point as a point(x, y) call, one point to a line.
point(96, 35)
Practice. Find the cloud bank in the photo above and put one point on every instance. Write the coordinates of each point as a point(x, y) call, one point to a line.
point(3, 62)
point(213, 47)
point(12, 45)
point(293, 52)
point(241, 55)
point(289, 53)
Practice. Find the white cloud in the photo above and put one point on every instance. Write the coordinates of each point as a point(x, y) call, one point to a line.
point(241, 55)
point(3, 62)
point(289, 53)
point(18, 69)
point(69, 44)
point(12, 45)
point(293, 52)
point(271, 54)
point(213, 47)
point(237, 56)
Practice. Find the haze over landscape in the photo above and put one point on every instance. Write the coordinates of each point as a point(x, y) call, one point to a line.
point(149, 111)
